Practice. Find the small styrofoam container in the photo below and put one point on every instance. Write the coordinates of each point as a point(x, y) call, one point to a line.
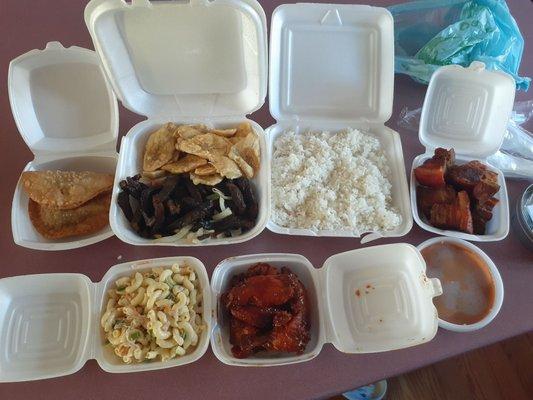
point(67, 114)
point(467, 109)
point(50, 323)
point(498, 285)
point(184, 62)
point(332, 67)
point(393, 310)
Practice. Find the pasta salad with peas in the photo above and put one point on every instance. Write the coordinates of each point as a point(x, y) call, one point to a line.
point(157, 313)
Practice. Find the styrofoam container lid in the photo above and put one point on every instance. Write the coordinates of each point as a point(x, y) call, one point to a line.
point(467, 109)
point(61, 102)
point(183, 59)
point(332, 62)
point(379, 299)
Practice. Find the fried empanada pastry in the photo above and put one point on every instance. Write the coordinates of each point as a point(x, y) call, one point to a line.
point(53, 223)
point(65, 189)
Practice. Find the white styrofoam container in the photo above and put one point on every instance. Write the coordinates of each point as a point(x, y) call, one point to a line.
point(50, 323)
point(68, 116)
point(393, 310)
point(185, 62)
point(332, 67)
point(467, 109)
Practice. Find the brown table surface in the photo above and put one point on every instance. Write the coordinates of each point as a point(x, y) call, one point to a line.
point(30, 24)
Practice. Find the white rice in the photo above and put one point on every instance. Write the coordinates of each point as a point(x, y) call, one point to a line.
point(336, 182)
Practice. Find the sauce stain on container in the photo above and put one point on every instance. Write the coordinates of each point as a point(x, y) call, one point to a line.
point(467, 284)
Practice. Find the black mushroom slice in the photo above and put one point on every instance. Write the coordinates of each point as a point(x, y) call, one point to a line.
point(233, 222)
point(123, 200)
point(249, 197)
point(193, 190)
point(239, 206)
point(165, 205)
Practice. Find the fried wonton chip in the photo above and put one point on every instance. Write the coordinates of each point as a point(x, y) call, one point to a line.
point(243, 129)
point(248, 149)
point(246, 169)
point(207, 169)
point(227, 133)
point(159, 149)
point(53, 223)
point(190, 131)
point(210, 180)
point(226, 167)
point(206, 146)
point(65, 189)
point(185, 164)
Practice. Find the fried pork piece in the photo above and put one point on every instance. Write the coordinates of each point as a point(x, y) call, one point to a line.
point(426, 197)
point(455, 216)
point(482, 213)
point(432, 172)
point(469, 175)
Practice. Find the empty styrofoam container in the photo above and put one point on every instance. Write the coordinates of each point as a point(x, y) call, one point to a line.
point(363, 301)
point(50, 323)
point(184, 62)
point(467, 109)
point(68, 116)
point(332, 67)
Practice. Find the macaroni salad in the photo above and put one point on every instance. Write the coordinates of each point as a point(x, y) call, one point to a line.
point(154, 313)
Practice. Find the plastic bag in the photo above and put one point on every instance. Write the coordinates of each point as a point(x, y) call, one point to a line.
point(515, 157)
point(432, 33)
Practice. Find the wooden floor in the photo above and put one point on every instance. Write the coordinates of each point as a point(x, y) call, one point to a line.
point(501, 371)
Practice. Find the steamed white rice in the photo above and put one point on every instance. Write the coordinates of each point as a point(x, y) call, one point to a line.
point(323, 181)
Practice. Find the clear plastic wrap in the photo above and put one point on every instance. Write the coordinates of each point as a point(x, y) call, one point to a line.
point(515, 157)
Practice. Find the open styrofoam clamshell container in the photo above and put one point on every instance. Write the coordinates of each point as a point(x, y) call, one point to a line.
point(332, 67)
point(368, 300)
point(67, 114)
point(50, 323)
point(467, 109)
point(362, 301)
point(184, 62)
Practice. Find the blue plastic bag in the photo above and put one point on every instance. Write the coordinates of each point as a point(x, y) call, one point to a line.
point(432, 33)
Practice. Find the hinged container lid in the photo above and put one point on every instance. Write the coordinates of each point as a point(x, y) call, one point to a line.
point(61, 101)
point(331, 62)
point(199, 58)
point(45, 325)
point(379, 299)
point(467, 109)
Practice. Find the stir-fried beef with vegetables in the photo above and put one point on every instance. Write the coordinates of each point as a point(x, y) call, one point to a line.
point(174, 206)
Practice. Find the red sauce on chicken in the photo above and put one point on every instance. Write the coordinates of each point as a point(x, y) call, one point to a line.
point(269, 310)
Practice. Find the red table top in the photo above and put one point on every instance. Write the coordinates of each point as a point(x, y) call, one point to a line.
point(30, 24)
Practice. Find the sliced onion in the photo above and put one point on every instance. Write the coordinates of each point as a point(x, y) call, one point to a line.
point(236, 232)
point(179, 235)
point(223, 214)
point(221, 194)
point(222, 203)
